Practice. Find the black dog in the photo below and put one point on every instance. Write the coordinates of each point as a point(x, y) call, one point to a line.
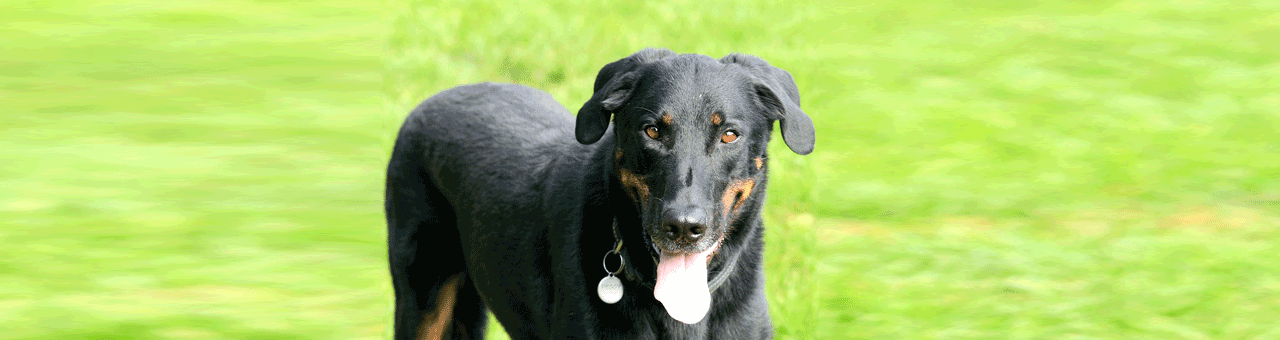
point(492, 205)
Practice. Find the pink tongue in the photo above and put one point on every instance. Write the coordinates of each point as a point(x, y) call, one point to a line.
point(682, 285)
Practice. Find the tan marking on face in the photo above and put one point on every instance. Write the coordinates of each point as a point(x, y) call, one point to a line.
point(759, 162)
point(634, 186)
point(617, 154)
point(436, 323)
point(716, 118)
point(666, 118)
point(736, 193)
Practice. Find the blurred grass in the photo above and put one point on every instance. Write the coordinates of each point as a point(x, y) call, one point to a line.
point(190, 170)
point(1201, 273)
point(1100, 169)
point(1006, 108)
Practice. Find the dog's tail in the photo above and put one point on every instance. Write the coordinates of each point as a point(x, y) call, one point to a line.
point(434, 297)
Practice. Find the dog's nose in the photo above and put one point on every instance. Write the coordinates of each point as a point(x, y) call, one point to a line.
point(685, 226)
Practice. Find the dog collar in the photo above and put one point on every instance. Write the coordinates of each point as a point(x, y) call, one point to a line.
point(723, 275)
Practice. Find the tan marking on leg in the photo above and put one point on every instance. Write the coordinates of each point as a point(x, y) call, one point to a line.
point(666, 118)
point(759, 162)
point(736, 193)
point(435, 324)
point(634, 184)
point(716, 118)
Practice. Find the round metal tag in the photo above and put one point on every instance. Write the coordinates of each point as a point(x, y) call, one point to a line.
point(610, 289)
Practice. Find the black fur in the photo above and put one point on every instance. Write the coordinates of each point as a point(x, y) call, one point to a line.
point(488, 180)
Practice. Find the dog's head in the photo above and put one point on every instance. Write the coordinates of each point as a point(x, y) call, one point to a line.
point(691, 134)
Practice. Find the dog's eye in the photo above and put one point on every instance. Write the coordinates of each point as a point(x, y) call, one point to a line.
point(729, 136)
point(652, 131)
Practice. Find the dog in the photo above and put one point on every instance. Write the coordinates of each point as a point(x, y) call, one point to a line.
point(496, 200)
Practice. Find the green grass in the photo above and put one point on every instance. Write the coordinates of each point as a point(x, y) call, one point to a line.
point(191, 170)
point(1112, 275)
point(984, 170)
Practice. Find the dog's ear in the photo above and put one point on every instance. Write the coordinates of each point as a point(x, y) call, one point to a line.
point(777, 92)
point(613, 88)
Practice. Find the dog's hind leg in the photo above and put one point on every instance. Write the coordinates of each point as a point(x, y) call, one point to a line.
point(457, 313)
point(434, 297)
point(470, 317)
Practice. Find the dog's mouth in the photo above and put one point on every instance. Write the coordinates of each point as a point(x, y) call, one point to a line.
point(681, 284)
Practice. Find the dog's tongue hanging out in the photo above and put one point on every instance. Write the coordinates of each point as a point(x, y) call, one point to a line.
point(682, 285)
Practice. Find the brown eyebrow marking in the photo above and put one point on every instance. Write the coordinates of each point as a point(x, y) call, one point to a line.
point(666, 118)
point(717, 118)
point(760, 162)
point(617, 154)
point(735, 194)
point(635, 186)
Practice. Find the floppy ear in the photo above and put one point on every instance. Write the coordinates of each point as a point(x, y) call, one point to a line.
point(777, 92)
point(613, 88)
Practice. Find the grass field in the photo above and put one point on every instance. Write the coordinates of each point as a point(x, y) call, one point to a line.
point(984, 170)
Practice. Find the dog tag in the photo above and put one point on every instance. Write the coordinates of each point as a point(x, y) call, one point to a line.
point(610, 289)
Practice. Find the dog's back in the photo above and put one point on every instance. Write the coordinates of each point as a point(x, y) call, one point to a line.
point(489, 142)
point(478, 126)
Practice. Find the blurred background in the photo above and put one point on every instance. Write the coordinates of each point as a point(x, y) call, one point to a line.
point(984, 169)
